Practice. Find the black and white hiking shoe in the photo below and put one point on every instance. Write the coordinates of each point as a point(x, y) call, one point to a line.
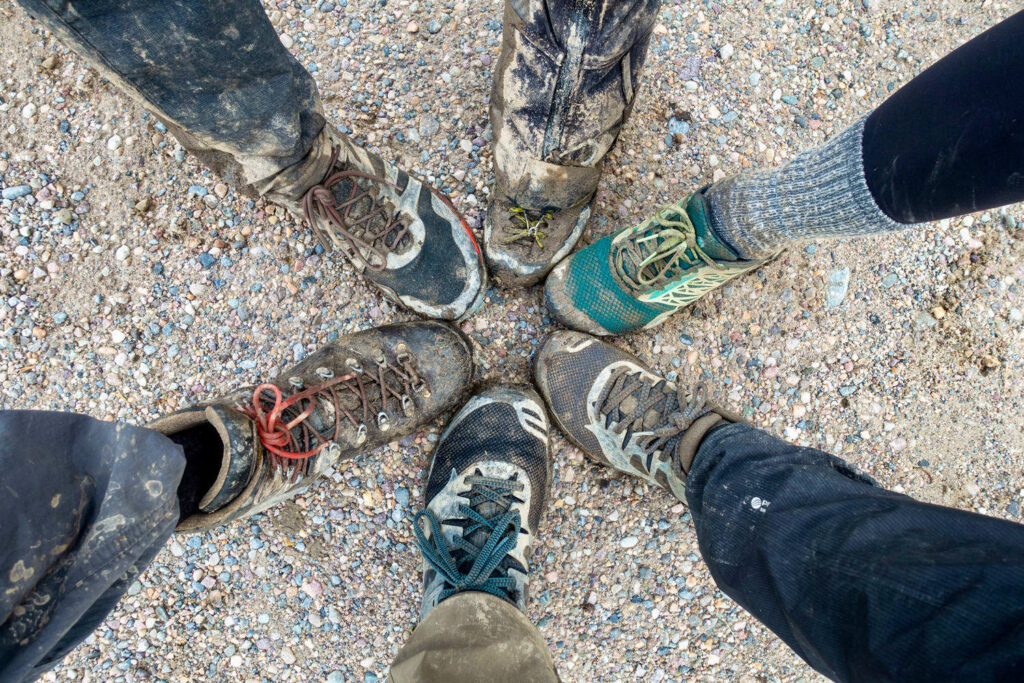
point(487, 489)
point(402, 234)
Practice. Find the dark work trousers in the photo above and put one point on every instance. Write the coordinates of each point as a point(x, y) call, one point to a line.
point(863, 583)
point(215, 72)
point(85, 505)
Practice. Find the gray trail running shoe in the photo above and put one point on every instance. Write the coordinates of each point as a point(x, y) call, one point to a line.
point(487, 490)
point(402, 234)
point(618, 412)
point(564, 87)
point(270, 442)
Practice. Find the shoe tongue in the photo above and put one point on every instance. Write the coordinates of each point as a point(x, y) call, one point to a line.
point(642, 250)
point(697, 210)
point(488, 510)
point(238, 460)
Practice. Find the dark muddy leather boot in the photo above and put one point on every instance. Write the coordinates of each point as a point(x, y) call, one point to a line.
point(350, 397)
point(563, 88)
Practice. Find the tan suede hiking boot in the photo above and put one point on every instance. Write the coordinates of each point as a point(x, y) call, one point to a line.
point(563, 88)
point(350, 397)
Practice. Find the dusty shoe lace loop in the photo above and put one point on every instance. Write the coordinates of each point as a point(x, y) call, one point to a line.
point(463, 565)
point(660, 249)
point(296, 427)
point(650, 410)
point(369, 226)
point(523, 226)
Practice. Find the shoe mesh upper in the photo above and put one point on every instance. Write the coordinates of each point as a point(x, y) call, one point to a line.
point(592, 288)
point(493, 432)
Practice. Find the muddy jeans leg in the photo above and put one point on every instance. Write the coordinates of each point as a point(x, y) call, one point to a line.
point(563, 88)
point(863, 583)
point(215, 72)
point(474, 638)
point(85, 505)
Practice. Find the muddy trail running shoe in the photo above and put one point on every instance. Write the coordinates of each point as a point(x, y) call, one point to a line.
point(564, 88)
point(618, 412)
point(639, 276)
point(487, 489)
point(403, 235)
point(263, 445)
point(522, 245)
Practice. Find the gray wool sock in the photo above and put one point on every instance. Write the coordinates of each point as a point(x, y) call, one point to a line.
point(819, 193)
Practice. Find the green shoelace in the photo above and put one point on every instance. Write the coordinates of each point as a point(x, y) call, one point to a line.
point(463, 565)
point(522, 227)
point(659, 249)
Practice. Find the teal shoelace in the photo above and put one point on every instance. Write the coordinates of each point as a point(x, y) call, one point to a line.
point(465, 566)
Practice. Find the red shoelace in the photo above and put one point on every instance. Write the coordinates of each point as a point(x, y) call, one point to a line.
point(294, 440)
point(275, 434)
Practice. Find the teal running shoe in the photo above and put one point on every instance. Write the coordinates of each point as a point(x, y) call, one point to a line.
point(639, 276)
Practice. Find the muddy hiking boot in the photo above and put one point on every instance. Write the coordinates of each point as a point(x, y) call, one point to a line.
point(636, 278)
point(487, 489)
point(621, 414)
point(563, 88)
point(262, 445)
point(403, 235)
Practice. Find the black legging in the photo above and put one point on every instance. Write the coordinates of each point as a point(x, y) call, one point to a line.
point(951, 141)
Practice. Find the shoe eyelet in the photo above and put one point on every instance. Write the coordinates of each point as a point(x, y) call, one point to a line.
point(407, 405)
point(381, 360)
point(383, 423)
point(333, 450)
point(354, 366)
point(296, 382)
point(324, 373)
point(361, 434)
point(421, 388)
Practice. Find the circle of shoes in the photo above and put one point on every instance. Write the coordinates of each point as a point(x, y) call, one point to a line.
point(287, 425)
point(369, 226)
point(670, 249)
point(634, 404)
point(527, 225)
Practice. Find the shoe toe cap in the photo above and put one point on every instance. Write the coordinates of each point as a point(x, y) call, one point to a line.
point(444, 360)
point(508, 267)
point(517, 263)
point(559, 302)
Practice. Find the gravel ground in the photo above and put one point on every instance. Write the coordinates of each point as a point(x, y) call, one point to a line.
point(133, 282)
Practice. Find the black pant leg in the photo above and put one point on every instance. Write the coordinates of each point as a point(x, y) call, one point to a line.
point(214, 71)
point(864, 584)
point(85, 505)
point(951, 141)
